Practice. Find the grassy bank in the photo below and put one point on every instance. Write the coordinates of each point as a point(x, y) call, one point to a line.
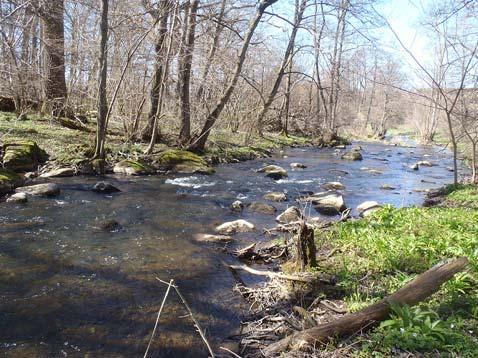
point(68, 146)
point(377, 255)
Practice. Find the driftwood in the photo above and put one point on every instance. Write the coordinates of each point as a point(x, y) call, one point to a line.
point(414, 292)
point(306, 250)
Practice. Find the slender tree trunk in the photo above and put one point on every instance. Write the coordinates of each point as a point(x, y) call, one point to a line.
point(54, 42)
point(299, 12)
point(103, 73)
point(158, 70)
point(199, 143)
point(185, 74)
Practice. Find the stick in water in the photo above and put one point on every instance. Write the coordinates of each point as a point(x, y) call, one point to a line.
point(157, 318)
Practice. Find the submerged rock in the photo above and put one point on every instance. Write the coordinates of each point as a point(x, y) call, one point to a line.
point(298, 166)
point(333, 185)
point(232, 227)
point(104, 187)
point(108, 225)
point(276, 196)
point(9, 180)
point(23, 156)
point(18, 198)
point(59, 173)
point(183, 161)
point(274, 171)
point(367, 208)
point(290, 215)
point(47, 189)
point(212, 238)
point(259, 207)
point(132, 167)
point(352, 155)
point(237, 206)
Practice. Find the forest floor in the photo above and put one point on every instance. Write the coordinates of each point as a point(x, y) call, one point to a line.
point(67, 146)
point(373, 257)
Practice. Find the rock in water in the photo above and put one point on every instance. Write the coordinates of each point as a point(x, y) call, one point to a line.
point(298, 166)
point(232, 227)
point(131, 167)
point(9, 180)
point(237, 206)
point(183, 161)
point(387, 187)
point(262, 208)
point(47, 189)
point(352, 155)
point(328, 203)
point(104, 187)
point(212, 238)
point(108, 225)
point(18, 198)
point(290, 215)
point(274, 171)
point(414, 166)
point(368, 207)
point(333, 185)
point(425, 163)
point(58, 173)
point(275, 196)
point(23, 156)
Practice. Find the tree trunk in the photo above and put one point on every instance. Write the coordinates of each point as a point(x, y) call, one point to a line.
point(414, 292)
point(306, 250)
point(299, 12)
point(158, 70)
point(185, 73)
point(54, 46)
point(103, 73)
point(199, 142)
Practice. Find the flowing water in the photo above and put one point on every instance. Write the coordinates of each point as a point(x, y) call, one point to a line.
point(69, 289)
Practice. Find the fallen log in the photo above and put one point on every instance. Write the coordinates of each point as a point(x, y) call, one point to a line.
point(414, 292)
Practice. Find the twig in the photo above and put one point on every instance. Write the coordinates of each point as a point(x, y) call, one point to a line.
point(196, 323)
point(230, 352)
point(157, 318)
point(272, 274)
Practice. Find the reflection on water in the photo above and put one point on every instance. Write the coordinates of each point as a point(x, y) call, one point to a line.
point(70, 289)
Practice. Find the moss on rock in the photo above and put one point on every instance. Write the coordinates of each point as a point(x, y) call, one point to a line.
point(23, 155)
point(8, 181)
point(133, 167)
point(182, 161)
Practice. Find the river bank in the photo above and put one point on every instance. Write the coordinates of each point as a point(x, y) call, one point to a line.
point(369, 259)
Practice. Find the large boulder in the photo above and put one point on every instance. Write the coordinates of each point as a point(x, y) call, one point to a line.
point(232, 227)
point(273, 171)
point(290, 215)
point(182, 161)
point(59, 173)
point(262, 208)
point(9, 180)
point(275, 196)
point(367, 208)
point(327, 203)
point(23, 156)
point(47, 189)
point(352, 155)
point(132, 167)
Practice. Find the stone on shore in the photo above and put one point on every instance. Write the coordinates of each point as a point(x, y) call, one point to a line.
point(132, 167)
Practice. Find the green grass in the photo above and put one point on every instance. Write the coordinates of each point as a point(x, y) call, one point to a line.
point(383, 252)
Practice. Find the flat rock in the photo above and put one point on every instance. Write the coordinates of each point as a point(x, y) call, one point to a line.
point(273, 171)
point(212, 238)
point(104, 187)
point(17, 198)
point(132, 167)
point(46, 189)
point(262, 208)
point(232, 227)
point(333, 185)
point(291, 214)
point(59, 173)
point(368, 207)
point(352, 155)
point(276, 196)
point(298, 166)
